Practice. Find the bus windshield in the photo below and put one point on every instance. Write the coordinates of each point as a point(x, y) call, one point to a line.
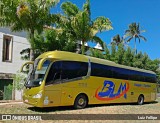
point(35, 77)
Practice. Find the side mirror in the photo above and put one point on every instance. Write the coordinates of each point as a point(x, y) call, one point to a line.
point(30, 62)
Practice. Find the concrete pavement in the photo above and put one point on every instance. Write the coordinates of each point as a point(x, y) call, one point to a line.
point(10, 103)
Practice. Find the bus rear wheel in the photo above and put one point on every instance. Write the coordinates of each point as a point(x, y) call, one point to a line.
point(140, 100)
point(80, 102)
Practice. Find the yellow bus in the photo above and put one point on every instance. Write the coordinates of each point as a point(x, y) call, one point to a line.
point(61, 78)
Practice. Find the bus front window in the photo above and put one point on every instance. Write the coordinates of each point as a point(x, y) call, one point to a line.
point(35, 77)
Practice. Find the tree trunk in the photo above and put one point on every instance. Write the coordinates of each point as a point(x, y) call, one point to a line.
point(135, 46)
point(32, 45)
point(83, 47)
point(31, 55)
point(32, 49)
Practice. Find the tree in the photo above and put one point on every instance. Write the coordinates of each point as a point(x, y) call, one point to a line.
point(134, 32)
point(27, 15)
point(117, 39)
point(81, 24)
point(107, 53)
point(119, 54)
point(50, 40)
point(96, 53)
point(137, 61)
point(53, 40)
point(113, 52)
point(145, 60)
point(128, 57)
point(153, 65)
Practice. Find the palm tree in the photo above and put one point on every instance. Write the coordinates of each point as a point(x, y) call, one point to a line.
point(81, 25)
point(117, 39)
point(27, 15)
point(134, 32)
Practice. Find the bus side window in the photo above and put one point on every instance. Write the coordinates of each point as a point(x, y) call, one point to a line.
point(73, 69)
point(54, 75)
point(101, 70)
point(57, 76)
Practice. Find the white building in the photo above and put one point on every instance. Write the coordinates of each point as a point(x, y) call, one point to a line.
point(11, 44)
point(98, 46)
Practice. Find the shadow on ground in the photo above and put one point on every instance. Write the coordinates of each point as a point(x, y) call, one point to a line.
point(67, 108)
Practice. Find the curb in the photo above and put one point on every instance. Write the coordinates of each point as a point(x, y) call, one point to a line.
point(10, 103)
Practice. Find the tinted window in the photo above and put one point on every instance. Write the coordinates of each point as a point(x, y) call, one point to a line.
point(150, 77)
point(136, 76)
point(120, 73)
point(73, 69)
point(54, 74)
point(101, 70)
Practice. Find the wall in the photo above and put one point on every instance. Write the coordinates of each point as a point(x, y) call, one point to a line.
point(19, 43)
point(9, 68)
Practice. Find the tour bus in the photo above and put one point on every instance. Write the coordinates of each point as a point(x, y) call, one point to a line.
point(61, 78)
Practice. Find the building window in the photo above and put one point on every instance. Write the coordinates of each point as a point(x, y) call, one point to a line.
point(7, 48)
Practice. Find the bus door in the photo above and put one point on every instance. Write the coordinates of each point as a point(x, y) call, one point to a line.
point(52, 88)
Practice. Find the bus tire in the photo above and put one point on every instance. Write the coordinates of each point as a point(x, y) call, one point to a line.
point(140, 100)
point(80, 102)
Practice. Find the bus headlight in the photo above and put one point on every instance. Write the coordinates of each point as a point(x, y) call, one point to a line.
point(39, 95)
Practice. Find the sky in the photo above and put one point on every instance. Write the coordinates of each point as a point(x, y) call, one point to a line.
point(122, 13)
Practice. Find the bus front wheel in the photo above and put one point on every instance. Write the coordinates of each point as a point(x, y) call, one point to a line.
point(140, 100)
point(80, 101)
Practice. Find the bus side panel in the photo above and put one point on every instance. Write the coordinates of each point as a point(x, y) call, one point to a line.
point(103, 91)
point(52, 95)
point(70, 90)
point(108, 90)
point(146, 89)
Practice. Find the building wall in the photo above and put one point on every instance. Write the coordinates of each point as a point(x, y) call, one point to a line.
point(19, 43)
point(7, 69)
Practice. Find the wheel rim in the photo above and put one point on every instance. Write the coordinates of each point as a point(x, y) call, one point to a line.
point(81, 101)
point(140, 100)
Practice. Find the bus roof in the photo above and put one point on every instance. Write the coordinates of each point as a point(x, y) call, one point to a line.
point(62, 55)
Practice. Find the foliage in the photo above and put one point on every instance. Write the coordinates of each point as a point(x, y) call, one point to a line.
point(7, 94)
point(107, 52)
point(18, 80)
point(134, 32)
point(27, 15)
point(9, 87)
point(119, 54)
point(50, 40)
point(128, 57)
point(137, 62)
point(113, 52)
point(25, 54)
point(117, 40)
point(80, 24)
point(96, 53)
